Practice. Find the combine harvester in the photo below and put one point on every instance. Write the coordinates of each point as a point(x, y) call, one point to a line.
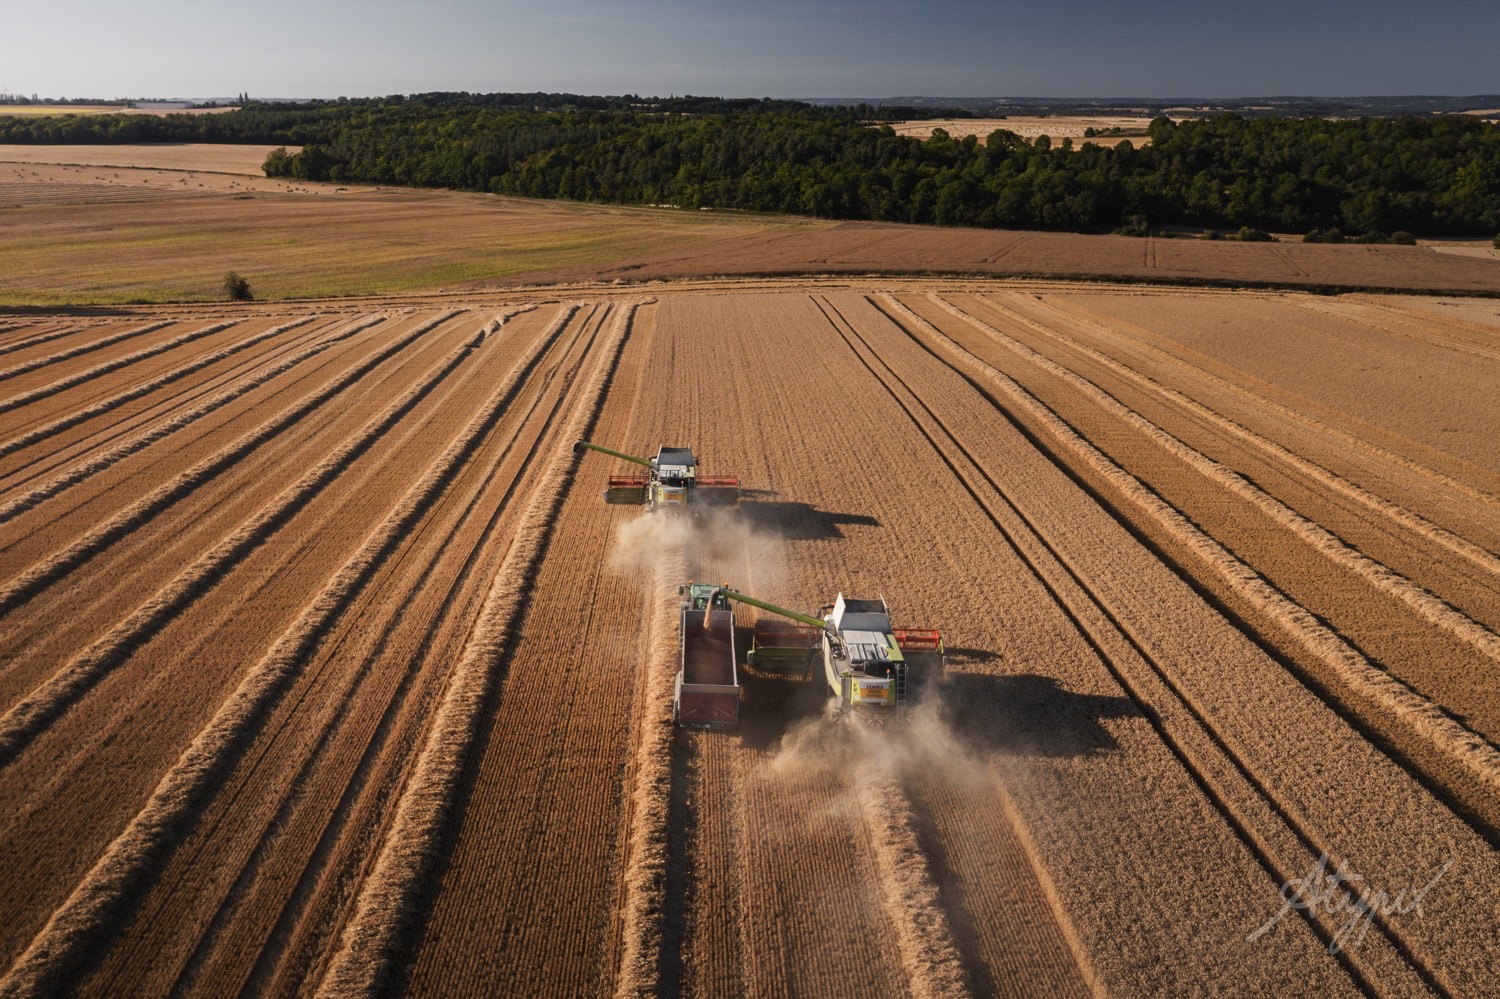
point(672, 484)
point(868, 666)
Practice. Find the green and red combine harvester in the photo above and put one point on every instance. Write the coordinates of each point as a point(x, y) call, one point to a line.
point(671, 484)
point(868, 667)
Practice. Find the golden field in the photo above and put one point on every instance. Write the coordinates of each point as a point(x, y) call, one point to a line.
point(324, 669)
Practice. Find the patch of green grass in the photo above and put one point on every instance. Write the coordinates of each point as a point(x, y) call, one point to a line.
point(117, 254)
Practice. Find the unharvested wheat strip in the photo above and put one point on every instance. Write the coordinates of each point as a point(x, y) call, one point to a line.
point(383, 908)
point(86, 348)
point(645, 872)
point(1406, 518)
point(145, 388)
point(37, 709)
point(93, 907)
point(98, 370)
point(928, 954)
point(1287, 411)
point(1382, 577)
point(42, 338)
point(1465, 748)
point(27, 584)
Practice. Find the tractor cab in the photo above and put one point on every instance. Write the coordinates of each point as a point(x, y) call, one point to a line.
point(697, 596)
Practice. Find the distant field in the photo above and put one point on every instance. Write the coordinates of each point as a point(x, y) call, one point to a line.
point(215, 157)
point(1055, 129)
point(95, 235)
point(35, 110)
point(1481, 250)
point(92, 235)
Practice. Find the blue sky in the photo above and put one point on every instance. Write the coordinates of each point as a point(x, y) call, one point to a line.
point(823, 48)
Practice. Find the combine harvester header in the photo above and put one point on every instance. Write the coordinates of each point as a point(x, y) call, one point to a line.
point(672, 484)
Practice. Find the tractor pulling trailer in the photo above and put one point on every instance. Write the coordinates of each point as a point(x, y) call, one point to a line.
point(707, 692)
point(867, 666)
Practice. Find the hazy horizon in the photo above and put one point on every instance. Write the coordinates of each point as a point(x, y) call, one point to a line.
point(825, 99)
point(1072, 49)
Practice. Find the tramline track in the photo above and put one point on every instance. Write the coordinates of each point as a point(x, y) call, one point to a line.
point(291, 949)
point(68, 353)
point(1449, 758)
point(165, 426)
point(1374, 444)
point(1069, 352)
point(158, 930)
point(139, 711)
point(1406, 323)
point(1157, 695)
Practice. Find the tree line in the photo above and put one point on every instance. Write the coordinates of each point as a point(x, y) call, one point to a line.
point(1426, 175)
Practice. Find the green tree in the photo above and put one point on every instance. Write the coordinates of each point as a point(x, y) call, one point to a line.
point(277, 164)
point(237, 288)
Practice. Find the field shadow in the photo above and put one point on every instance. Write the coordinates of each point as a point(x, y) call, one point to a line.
point(962, 655)
point(81, 311)
point(774, 705)
point(801, 521)
point(1032, 715)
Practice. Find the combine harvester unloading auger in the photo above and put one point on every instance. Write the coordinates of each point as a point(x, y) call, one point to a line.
point(672, 484)
point(867, 666)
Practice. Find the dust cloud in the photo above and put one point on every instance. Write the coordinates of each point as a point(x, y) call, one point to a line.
point(716, 537)
point(641, 543)
point(919, 742)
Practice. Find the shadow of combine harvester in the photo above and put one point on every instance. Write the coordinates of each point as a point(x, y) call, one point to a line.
point(798, 521)
point(1029, 714)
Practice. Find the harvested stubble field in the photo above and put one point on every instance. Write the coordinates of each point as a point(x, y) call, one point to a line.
point(1056, 129)
point(326, 670)
point(166, 224)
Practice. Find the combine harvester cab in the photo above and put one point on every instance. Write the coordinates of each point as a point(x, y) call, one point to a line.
point(676, 470)
point(671, 484)
point(707, 694)
point(865, 663)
